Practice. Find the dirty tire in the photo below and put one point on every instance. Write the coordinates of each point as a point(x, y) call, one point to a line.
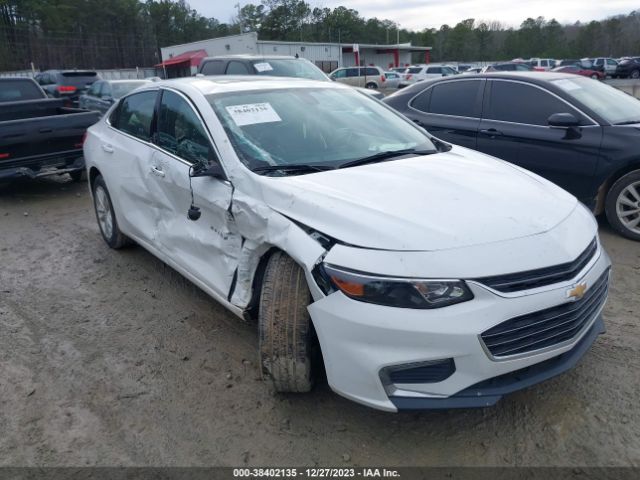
point(78, 175)
point(285, 326)
point(611, 203)
point(114, 238)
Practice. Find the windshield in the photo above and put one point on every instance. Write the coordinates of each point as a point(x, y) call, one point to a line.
point(615, 106)
point(312, 126)
point(120, 89)
point(289, 68)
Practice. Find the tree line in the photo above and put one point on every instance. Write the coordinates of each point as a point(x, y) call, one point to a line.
point(128, 33)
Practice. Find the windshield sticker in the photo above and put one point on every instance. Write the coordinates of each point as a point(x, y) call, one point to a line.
point(263, 67)
point(252, 113)
point(567, 85)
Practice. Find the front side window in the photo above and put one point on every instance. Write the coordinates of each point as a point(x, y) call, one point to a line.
point(181, 132)
point(521, 103)
point(339, 74)
point(435, 70)
point(94, 91)
point(414, 70)
point(455, 98)
point(353, 72)
point(311, 126)
point(135, 114)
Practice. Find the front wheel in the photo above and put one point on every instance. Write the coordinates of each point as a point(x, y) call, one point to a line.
point(286, 335)
point(106, 215)
point(371, 86)
point(595, 77)
point(635, 74)
point(623, 205)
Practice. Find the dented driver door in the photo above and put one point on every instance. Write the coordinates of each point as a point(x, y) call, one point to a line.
point(208, 248)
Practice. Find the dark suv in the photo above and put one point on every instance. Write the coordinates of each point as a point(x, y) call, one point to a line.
point(66, 84)
point(629, 67)
point(580, 134)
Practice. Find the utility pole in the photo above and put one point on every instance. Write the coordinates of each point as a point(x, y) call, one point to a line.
point(237, 5)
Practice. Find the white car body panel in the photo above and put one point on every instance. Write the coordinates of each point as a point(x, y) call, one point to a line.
point(454, 215)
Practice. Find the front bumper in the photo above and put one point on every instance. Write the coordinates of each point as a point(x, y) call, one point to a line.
point(359, 341)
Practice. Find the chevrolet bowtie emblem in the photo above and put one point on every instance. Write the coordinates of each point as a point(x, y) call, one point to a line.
point(577, 292)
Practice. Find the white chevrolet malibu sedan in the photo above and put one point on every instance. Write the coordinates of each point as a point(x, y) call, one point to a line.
point(419, 274)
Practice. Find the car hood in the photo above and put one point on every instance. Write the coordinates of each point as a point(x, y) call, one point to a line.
point(433, 202)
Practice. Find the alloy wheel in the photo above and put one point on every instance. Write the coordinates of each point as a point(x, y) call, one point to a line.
point(103, 208)
point(628, 207)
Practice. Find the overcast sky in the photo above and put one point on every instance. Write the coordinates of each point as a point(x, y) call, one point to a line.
point(418, 14)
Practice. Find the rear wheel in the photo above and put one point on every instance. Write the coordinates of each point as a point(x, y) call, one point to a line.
point(595, 77)
point(287, 352)
point(106, 215)
point(371, 86)
point(635, 74)
point(623, 205)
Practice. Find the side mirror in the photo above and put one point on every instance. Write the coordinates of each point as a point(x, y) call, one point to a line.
point(214, 170)
point(563, 120)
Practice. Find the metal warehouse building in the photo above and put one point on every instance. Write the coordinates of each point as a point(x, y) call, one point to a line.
point(183, 60)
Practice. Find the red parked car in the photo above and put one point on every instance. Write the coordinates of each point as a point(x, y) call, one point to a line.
point(578, 70)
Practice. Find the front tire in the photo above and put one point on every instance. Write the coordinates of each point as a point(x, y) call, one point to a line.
point(635, 74)
point(623, 205)
point(106, 216)
point(286, 335)
point(371, 86)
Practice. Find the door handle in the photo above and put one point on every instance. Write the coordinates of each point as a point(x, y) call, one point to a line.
point(107, 148)
point(492, 132)
point(157, 171)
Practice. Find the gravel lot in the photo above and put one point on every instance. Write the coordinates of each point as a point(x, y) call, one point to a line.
point(112, 358)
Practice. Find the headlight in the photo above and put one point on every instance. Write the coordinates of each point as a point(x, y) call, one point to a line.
point(393, 292)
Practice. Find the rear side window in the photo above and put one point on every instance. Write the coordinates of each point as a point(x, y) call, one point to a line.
point(434, 70)
point(371, 71)
point(135, 114)
point(181, 132)
point(237, 68)
point(213, 67)
point(456, 98)
point(16, 90)
point(521, 103)
point(352, 72)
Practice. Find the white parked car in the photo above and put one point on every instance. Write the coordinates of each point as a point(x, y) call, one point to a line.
point(418, 73)
point(541, 64)
point(423, 275)
point(393, 79)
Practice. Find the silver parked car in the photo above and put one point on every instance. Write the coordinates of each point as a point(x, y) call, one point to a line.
point(104, 93)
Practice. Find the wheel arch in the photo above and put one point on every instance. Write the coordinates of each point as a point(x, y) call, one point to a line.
point(93, 174)
point(605, 186)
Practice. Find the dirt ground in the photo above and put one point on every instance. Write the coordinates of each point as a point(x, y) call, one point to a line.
point(111, 358)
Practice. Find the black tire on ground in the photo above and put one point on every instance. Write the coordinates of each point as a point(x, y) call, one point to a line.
point(286, 335)
point(78, 175)
point(371, 86)
point(612, 199)
point(635, 74)
point(595, 77)
point(116, 239)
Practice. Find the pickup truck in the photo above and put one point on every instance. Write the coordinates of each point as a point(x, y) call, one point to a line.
point(38, 136)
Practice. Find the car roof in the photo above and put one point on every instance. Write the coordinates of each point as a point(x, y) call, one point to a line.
point(530, 77)
point(237, 83)
point(251, 56)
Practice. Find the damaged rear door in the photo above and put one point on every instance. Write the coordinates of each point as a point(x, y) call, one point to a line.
point(208, 247)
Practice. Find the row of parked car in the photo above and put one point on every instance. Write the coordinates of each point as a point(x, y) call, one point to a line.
point(338, 222)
